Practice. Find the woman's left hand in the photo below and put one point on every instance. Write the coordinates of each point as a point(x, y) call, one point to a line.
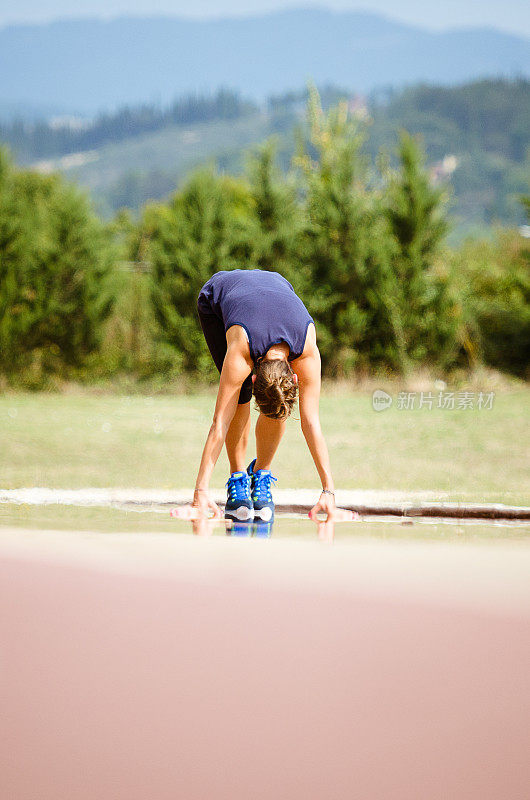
point(325, 505)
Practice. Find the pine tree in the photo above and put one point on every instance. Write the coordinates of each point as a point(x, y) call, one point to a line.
point(416, 213)
point(269, 238)
point(347, 246)
point(54, 262)
point(188, 241)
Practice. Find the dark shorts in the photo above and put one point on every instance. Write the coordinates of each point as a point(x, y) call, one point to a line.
point(215, 336)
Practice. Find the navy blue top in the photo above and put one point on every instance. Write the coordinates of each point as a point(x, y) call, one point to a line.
point(264, 304)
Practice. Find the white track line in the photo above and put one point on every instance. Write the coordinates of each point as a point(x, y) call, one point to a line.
point(107, 496)
point(146, 499)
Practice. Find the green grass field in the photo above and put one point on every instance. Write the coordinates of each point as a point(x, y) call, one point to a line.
point(84, 440)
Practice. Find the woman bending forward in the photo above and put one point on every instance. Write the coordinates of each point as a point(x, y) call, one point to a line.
point(263, 342)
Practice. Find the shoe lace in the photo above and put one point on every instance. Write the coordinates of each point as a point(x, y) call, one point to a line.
point(238, 488)
point(262, 486)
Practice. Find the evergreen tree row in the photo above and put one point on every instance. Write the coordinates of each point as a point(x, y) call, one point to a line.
point(36, 140)
point(362, 242)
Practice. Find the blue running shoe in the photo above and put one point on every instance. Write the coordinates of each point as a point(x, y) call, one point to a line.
point(238, 500)
point(260, 489)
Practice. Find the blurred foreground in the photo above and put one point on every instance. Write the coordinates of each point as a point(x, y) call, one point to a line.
point(182, 667)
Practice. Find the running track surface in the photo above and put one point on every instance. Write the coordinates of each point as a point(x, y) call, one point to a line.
point(167, 667)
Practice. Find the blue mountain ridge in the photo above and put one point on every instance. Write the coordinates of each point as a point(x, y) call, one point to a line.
point(88, 65)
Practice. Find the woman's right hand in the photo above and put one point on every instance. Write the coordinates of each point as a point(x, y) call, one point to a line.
point(204, 504)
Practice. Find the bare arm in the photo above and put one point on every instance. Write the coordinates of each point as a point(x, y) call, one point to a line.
point(307, 367)
point(308, 371)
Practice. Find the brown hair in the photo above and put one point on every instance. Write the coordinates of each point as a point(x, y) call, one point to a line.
point(275, 388)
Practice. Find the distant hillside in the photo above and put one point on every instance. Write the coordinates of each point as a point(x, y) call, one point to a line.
point(151, 165)
point(88, 65)
point(60, 135)
point(28, 112)
point(477, 137)
point(484, 127)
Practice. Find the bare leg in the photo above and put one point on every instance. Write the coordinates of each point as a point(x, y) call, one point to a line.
point(237, 438)
point(269, 434)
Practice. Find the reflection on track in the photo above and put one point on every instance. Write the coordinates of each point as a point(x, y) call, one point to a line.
point(259, 529)
point(325, 529)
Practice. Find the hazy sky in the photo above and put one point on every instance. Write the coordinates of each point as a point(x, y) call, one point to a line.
point(508, 15)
